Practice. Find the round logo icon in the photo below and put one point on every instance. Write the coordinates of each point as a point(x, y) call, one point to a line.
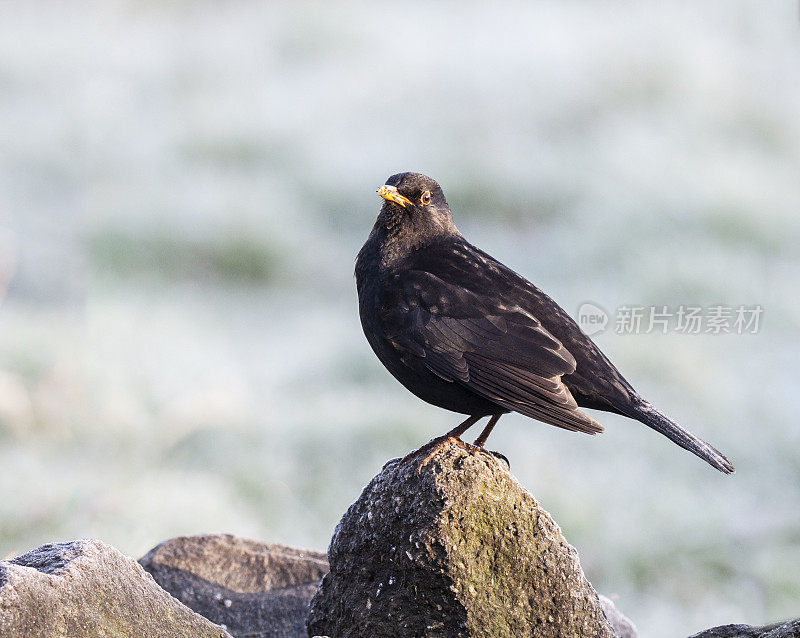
point(592, 318)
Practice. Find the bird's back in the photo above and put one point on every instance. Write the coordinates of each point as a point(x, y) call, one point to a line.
point(596, 382)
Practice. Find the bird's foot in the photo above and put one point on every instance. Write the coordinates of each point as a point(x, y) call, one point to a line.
point(501, 457)
point(434, 445)
point(452, 437)
point(477, 447)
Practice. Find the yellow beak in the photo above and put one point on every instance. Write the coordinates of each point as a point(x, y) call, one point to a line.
point(390, 193)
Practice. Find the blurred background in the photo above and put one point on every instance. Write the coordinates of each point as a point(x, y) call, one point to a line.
point(183, 190)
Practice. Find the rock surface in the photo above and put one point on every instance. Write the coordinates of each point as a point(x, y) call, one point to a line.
point(458, 548)
point(257, 590)
point(87, 589)
point(788, 629)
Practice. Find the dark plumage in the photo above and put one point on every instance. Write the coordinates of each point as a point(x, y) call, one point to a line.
point(465, 333)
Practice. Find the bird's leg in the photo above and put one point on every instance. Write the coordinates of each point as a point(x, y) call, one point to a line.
point(481, 440)
point(453, 435)
point(462, 427)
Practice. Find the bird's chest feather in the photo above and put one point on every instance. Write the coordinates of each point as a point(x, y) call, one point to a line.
point(379, 302)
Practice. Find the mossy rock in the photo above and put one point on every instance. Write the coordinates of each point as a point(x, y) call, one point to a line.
point(454, 548)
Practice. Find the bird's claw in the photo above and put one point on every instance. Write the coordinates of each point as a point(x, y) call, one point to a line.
point(501, 457)
point(476, 448)
point(434, 445)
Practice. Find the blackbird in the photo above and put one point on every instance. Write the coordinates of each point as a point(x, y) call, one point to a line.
point(464, 332)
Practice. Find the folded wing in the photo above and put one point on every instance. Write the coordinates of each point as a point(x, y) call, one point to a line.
point(501, 353)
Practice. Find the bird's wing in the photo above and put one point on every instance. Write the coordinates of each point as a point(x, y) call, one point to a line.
point(499, 352)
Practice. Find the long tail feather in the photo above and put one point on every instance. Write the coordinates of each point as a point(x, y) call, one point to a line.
point(647, 414)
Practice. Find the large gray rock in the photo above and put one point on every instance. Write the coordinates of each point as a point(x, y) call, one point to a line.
point(456, 549)
point(788, 629)
point(257, 590)
point(87, 589)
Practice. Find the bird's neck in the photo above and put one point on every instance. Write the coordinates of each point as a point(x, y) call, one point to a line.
point(396, 246)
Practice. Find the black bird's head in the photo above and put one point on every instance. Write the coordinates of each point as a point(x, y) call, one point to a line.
point(414, 209)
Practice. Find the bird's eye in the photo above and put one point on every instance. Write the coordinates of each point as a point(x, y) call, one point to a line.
point(426, 197)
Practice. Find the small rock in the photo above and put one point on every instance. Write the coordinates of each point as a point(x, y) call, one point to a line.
point(87, 589)
point(258, 590)
point(788, 629)
point(490, 561)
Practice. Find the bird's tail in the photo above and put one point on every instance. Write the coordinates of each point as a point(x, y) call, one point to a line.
point(647, 414)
